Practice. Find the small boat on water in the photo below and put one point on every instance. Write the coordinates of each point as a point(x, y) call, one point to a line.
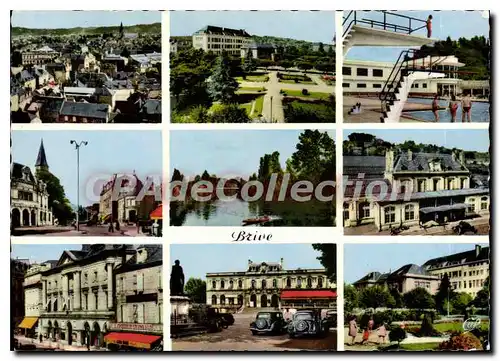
point(259, 220)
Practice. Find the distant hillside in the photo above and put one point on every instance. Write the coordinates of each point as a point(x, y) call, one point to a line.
point(139, 28)
point(280, 41)
point(182, 38)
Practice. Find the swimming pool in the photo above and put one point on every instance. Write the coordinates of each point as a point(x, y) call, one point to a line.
point(480, 111)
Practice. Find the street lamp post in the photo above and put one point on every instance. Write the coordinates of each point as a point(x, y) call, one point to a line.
point(271, 120)
point(77, 147)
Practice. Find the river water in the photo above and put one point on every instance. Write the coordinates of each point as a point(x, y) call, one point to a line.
point(231, 213)
point(480, 111)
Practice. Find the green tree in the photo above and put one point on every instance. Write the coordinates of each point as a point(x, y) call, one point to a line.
point(444, 293)
point(374, 297)
point(125, 52)
point(419, 298)
point(16, 58)
point(397, 335)
point(398, 299)
point(229, 113)
point(314, 159)
point(350, 298)
point(222, 86)
point(482, 299)
point(61, 207)
point(327, 258)
point(196, 290)
point(361, 140)
point(321, 48)
point(305, 66)
point(460, 301)
point(249, 64)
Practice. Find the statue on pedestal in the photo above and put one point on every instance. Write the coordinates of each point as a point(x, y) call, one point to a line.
point(177, 280)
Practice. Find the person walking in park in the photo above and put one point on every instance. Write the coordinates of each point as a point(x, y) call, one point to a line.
point(466, 108)
point(453, 108)
point(435, 107)
point(353, 329)
point(428, 24)
point(382, 333)
point(370, 324)
point(366, 336)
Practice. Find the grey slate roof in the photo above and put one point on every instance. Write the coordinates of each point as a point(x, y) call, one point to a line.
point(17, 170)
point(216, 30)
point(371, 166)
point(420, 162)
point(89, 110)
point(154, 253)
point(481, 254)
point(409, 269)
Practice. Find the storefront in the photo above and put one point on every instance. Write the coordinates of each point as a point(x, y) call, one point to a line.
point(128, 341)
point(28, 326)
point(300, 299)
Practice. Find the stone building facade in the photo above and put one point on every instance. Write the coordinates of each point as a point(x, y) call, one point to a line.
point(29, 196)
point(419, 187)
point(218, 40)
point(261, 285)
point(40, 56)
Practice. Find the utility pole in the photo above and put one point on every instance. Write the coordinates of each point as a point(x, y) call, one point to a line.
point(77, 147)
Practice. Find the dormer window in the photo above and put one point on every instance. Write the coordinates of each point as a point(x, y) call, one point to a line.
point(420, 167)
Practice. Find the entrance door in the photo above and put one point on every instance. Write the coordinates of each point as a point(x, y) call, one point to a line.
point(263, 301)
point(275, 301)
point(16, 218)
point(253, 300)
point(69, 334)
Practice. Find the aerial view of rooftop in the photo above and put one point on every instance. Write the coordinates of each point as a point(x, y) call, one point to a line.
point(85, 67)
point(252, 66)
point(416, 66)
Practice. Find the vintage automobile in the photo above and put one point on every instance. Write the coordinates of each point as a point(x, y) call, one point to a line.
point(210, 317)
point(464, 227)
point(271, 322)
point(307, 323)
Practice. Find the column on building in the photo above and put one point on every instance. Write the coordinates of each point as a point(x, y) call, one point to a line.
point(109, 265)
point(66, 290)
point(77, 291)
point(44, 293)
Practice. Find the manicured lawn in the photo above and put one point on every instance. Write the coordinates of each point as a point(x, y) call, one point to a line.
point(457, 326)
point(412, 346)
point(253, 78)
point(247, 107)
point(252, 89)
point(259, 102)
point(287, 81)
point(298, 93)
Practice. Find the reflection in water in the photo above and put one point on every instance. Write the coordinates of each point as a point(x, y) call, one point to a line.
point(232, 213)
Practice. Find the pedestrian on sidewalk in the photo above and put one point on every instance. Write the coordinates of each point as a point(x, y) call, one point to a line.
point(366, 336)
point(428, 23)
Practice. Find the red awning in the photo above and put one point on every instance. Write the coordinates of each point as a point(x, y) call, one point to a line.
point(131, 339)
point(157, 213)
point(308, 294)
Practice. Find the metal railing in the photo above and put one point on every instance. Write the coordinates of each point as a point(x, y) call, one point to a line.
point(413, 25)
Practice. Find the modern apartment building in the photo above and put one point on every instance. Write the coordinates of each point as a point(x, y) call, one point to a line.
point(217, 40)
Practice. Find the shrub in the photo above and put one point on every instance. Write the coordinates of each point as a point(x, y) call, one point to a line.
point(427, 329)
point(305, 92)
point(461, 341)
point(397, 334)
point(386, 317)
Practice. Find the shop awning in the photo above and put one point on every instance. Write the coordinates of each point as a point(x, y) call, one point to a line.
point(298, 294)
point(28, 322)
point(157, 213)
point(106, 217)
point(131, 339)
point(448, 207)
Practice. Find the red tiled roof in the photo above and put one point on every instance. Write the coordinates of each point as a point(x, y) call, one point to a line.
point(157, 213)
point(308, 294)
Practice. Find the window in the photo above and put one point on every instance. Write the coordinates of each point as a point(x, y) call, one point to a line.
point(96, 300)
point(299, 282)
point(377, 86)
point(288, 282)
point(275, 283)
point(214, 285)
point(240, 284)
point(472, 205)
point(416, 86)
point(360, 85)
point(95, 276)
point(214, 299)
point(435, 183)
point(320, 282)
point(484, 203)
point(421, 185)
point(409, 212)
point(346, 85)
point(222, 300)
point(309, 282)
point(378, 73)
point(362, 72)
point(390, 214)
point(231, 284)
point(264, 284)
point(253, 283)
point(365, 210)
point(462, 183)
point(86, 298)
point(222, 284)
point(424, 85)
point(346, 70)
point(450, 183)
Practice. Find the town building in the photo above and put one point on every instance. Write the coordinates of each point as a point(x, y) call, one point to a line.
point(145, 61)
point(18, 268)
point(29, 196)
point(180, 43)
point(39, 56)
point(259, 51)
point(82, 112)
point(467, 271)
point(217, 40)
point(264, 285)
point(369, 77)
point(139, 301)
point(411, 189)
point(404, 279)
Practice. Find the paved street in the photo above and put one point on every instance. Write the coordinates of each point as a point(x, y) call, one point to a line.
point(48, 345)
point(94, 231)
point(239, 338)
point(273, 95)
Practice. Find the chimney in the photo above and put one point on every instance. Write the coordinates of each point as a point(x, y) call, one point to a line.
point(453, 156)
point(389, 160)
point(410, 154)
point(478, 250)
point(142, 255)
point(249, 262)
point(281, 262)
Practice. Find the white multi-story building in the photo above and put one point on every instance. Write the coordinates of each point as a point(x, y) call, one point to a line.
point(361, 76)
point(263, 284)
point(217, 40)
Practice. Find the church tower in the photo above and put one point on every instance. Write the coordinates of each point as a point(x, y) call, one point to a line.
point(41, 160)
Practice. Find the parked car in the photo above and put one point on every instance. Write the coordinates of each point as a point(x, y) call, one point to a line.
point(268, 322)
point(331, 318)
point(307, 323)
point(464, 227)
